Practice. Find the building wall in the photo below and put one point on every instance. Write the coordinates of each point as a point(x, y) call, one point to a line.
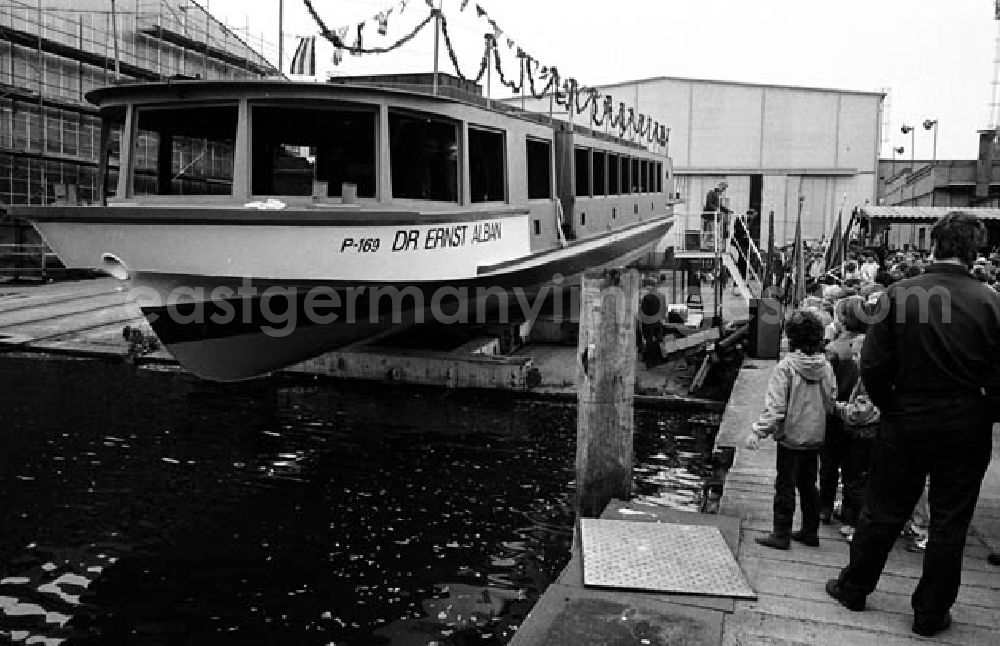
point(820, 144)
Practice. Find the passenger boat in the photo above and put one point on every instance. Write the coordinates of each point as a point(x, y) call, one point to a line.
point(260, 223)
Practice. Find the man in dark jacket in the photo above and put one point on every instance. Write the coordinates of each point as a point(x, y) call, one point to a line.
point(929, 363)
point(713, 203)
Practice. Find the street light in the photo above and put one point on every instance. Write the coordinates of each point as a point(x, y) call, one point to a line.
point(910, 130)
point(897, 150)
point(928, 124)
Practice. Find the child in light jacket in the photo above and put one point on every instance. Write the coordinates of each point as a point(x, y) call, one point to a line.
point(799, 396)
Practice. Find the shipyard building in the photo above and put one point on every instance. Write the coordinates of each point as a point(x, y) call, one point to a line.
point(52, 55)
point(770, 143)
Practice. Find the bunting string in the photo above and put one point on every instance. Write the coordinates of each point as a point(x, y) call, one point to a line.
point(454, 57)
point(567, 93)
point(338, 42)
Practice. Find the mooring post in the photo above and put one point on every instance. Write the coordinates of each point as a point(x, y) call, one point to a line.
point(606, 357)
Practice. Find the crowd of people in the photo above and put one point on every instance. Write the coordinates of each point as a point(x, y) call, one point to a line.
point(890, 397)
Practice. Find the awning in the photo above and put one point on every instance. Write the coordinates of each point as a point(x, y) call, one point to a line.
point(906, 214)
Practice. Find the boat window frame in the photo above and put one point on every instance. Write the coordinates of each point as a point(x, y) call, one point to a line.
point(550, 159)
point(133, 111)
point(469, 127)
point(106, 190)
point(625, 174)
point(461, 158)
point(314, 104)
point(615, 168)
point(594, 152)
point(588, 174)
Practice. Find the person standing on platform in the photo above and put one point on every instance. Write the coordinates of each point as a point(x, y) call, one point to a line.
point(799, 396)
point(713, 203)
point(929, 363)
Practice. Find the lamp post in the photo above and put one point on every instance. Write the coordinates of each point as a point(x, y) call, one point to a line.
point(910, 130)
point(928, 124)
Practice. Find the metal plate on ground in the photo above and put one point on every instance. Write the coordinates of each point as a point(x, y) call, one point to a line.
point(663, 557)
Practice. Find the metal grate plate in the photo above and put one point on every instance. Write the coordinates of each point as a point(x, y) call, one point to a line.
point(664, 557)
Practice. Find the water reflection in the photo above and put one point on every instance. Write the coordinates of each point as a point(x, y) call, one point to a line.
point(143, 506)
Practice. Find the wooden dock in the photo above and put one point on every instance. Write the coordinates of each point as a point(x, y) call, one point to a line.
point(793, 607)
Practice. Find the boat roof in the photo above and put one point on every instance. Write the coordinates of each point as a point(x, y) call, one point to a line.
point(194, 89)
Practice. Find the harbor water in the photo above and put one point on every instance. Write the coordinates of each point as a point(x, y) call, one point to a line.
point(143, 507)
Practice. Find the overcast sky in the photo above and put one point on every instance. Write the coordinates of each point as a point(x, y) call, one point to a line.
point(935, 55)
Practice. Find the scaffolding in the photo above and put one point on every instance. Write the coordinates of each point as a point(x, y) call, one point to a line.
point(52, 56)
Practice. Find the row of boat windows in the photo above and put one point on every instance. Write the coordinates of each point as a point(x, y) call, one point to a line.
point(599, 172)
point(309, 151)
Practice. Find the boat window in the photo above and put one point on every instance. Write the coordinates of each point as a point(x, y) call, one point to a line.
point(296, 150)
point(636, 175)
point(600, 158)
point(539, 155)
point(582, 163)
point(644, 176)
point(486, 165)
point(185, 151)
point(424, 156)
point(659, 177)
point(113, 125)
point(613, 170)
point(626, 175)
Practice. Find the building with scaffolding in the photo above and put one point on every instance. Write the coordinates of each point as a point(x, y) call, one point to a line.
point(53, 53)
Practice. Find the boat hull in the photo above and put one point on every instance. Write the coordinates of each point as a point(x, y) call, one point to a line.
point(228, 329)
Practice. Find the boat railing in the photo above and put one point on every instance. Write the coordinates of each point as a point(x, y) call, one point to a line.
point(32, 260)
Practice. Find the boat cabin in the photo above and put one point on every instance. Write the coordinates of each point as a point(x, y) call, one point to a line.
point(369, 149)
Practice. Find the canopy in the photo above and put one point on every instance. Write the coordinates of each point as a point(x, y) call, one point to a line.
point(906, 214)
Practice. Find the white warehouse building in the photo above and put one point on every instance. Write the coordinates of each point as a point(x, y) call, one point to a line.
point(770, 143)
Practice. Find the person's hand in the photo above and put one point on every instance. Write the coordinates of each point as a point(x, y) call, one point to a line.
point(753, 441)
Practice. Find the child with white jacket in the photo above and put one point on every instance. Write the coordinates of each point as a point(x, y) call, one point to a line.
point(799, 396)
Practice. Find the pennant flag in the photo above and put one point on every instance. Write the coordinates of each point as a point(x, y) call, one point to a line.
point(338, 52)
point(383, 22)
point(835, 248)
point(480, 11)
point(799, 292)
point(769, 276)
point(304, 60)
point(359, 43)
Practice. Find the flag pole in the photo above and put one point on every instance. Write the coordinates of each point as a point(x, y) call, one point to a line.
point(437, 38)
point(281, 36)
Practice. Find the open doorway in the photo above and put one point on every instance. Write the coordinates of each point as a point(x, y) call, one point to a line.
point(756, 202)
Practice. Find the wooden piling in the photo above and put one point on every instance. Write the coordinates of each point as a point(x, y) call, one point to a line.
point(606, 360)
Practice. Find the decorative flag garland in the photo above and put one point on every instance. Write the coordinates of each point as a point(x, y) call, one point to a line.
point(565, 92)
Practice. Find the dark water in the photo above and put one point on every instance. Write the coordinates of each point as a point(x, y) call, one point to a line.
point(143, 507)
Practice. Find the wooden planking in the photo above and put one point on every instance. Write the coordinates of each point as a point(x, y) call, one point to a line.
point(752, 627)
point(793, 607)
